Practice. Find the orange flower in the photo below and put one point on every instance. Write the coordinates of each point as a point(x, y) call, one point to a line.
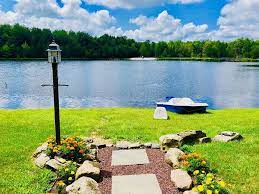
point(186, 163)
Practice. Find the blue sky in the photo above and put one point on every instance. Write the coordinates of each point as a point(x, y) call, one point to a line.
point(142, 20)
point(206, 12)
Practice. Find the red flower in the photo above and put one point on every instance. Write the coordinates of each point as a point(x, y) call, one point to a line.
point(81, 151)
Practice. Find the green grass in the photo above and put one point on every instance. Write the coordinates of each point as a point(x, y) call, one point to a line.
point(21, 131)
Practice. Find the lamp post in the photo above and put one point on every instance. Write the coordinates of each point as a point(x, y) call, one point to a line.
point(54, 57)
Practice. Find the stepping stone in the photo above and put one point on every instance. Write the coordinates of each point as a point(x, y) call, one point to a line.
point(136, 184)
point(129, 157)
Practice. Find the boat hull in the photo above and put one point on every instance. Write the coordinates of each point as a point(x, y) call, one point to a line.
point(184, 109)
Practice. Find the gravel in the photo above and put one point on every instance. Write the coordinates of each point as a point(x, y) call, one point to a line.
point(156, 166)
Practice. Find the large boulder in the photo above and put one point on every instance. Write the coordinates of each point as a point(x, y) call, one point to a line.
point(227, 136)
point(82, 186)
point(172, 157)
point(54, 164)
point(160, 113)
point(89, 169)
point(181, 179)
point(191, 136)
point(41, 160)
point(170, 141)
point(40, 149)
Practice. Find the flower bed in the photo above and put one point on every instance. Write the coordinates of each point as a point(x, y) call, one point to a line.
point(205, 179)
point(71, 148)
point(65, 160)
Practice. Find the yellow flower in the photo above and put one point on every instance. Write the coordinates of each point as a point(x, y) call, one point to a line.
point(194, 189)
point(216, 191)
point(203, 162)
point(210, 175)
point(208, 181)
point(196, 172)
point(222, 184)
point(200, 188)
point(70, 178)
point(61, 183)
point(209, 192)
point(72, 172)
point(66, 169)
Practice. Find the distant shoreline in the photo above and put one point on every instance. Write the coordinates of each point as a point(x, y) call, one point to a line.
point(140, 59)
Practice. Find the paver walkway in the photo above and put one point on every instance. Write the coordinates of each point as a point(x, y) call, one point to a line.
point(135, 172)
point(129, 157)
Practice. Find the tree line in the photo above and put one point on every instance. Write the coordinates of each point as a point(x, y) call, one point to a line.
point(17, 41)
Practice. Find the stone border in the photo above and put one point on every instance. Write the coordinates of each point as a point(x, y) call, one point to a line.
point(86, 176)
point(88, 173)
point(170, 145)
point(195, 136)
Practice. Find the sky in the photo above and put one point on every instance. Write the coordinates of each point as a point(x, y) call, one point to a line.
point(154, 20)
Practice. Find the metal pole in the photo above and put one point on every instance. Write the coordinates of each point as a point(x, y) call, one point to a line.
point(56, 101)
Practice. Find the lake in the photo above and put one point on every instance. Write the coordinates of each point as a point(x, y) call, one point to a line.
point(129, 83)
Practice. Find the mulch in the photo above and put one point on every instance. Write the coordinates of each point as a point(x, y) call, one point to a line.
point(156, 166)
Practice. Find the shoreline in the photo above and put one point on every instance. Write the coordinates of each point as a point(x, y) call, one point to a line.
point(140, 59)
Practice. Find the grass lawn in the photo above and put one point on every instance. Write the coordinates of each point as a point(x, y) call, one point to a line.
point(21, 131)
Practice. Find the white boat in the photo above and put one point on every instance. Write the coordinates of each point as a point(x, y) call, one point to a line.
point(183, 105)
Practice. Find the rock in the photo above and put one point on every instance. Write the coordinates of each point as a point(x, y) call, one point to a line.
point(191, 136)
point(228, 133)
point(181, 179)
point(82, 186)
point(109, 145)
point(227, 136)
point(101, 145)
point(205, 140)
point(93, 152)
point(89, 140)
point(41, 160)
point(134, 146)
point(54, 164)
point(160, 113)
point(90, 157)
point(40, 149)
point(61, 160)
point(190, 192)
point(147, 145)
point(122, 145)
point(155, 146)
point(93, 146)
point(170, 141)
point(172, 156)
point(89, 169)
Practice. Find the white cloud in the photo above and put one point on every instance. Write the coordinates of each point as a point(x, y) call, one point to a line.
point(164, 27)
point(130, 4)
point(239, 18)
point(48, 14)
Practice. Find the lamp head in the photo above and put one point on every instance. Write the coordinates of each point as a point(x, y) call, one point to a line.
point(54, 53)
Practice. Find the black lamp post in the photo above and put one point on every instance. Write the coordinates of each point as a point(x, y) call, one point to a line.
point(54, 57)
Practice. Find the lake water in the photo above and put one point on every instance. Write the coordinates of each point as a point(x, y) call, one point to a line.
point(129, 83)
